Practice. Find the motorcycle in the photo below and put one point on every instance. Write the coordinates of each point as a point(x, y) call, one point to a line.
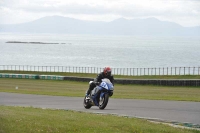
point(99, 96)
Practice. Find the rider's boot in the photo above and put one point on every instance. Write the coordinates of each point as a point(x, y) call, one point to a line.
point(88, 92)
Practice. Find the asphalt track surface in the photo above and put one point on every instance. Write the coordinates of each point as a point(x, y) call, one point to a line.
point(171, 111)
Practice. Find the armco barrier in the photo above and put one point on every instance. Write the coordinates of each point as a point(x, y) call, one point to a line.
point(78, 79)
point(30, 76)
point(162, 82)
point(51, 77)
point(24, 76)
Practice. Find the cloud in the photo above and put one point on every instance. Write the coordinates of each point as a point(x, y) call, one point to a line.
point(180, 11)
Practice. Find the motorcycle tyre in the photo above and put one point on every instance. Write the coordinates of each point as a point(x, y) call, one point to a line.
point(105, 102)
point(86, 105)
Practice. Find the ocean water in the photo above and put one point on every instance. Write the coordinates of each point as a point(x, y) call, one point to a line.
point(100, 51)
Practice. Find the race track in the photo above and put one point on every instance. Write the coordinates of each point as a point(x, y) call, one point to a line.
point(174, 111)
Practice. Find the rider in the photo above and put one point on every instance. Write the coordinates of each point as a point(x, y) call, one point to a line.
point(105, 74)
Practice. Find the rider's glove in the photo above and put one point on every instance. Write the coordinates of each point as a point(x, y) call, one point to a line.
point(96, 83)
point(111, 93)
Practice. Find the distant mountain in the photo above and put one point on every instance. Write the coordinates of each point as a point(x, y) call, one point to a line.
point(58, 24)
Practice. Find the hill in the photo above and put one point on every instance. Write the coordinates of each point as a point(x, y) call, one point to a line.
point(58, 24)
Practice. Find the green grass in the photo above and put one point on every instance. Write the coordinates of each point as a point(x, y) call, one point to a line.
point(115, 76)
point(77, 89)
point(23, 120)
point(35, 120)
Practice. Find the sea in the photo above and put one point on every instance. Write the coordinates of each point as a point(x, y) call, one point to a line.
point(99, 50)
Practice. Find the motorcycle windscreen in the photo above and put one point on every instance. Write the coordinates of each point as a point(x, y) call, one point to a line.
point(106, 85)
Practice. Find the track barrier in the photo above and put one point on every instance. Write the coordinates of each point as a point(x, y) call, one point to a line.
point(161, 82)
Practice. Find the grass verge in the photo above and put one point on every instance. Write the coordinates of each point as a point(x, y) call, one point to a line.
point(77, 89)
point(29, 120)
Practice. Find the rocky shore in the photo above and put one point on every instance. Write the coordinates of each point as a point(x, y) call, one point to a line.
point(32, 42)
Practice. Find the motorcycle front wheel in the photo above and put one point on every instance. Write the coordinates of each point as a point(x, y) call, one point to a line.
point(86, 103)
point(103, 101)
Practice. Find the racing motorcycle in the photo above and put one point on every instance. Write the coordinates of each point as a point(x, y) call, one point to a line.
point(99, 96)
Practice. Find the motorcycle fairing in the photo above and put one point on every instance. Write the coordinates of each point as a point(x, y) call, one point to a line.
point(95, 97)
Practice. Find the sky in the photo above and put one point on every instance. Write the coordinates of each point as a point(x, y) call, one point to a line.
point(183, 12)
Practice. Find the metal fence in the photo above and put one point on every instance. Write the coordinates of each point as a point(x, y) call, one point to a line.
point(115, 71)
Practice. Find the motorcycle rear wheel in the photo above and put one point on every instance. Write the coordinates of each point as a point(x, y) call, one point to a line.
point(86, 104)
point(104, 101)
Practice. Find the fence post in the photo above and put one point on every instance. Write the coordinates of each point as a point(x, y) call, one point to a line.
point(184, 70)
point(163, 71)
point(132, 71)
point(171, 70)
point(189, 70)
point(167, 70)
point(175, 70)
point(128, 72)
point(194, 71)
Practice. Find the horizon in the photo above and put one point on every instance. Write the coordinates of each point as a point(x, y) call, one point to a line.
point(99, 20)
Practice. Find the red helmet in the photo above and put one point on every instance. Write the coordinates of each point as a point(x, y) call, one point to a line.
point(107, 71)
